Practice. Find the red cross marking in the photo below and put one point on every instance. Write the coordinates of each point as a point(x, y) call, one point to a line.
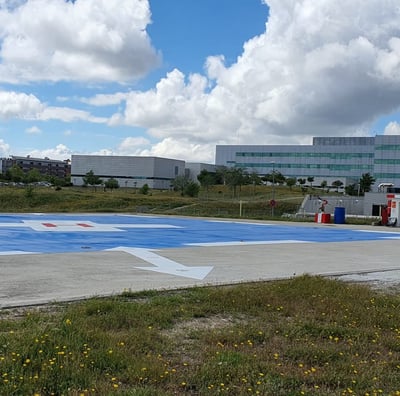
point(49, 225)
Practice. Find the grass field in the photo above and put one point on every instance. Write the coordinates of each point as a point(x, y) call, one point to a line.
point(218, 201)
point(305, 336)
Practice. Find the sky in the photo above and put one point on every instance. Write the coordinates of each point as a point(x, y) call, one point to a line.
point(175, 78)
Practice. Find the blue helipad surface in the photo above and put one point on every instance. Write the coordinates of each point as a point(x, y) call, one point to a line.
point(54, 233)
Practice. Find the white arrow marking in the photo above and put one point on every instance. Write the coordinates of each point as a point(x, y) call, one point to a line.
point(164, 265)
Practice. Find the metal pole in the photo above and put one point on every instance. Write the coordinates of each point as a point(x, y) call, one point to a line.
point(273, 190)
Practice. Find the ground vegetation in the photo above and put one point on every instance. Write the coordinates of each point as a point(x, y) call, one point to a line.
point(303, 336)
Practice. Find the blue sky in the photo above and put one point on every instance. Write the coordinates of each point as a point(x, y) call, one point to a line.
point(174, 78)
point(189, 31)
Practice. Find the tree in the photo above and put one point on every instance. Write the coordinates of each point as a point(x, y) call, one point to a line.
point(337, 184)
point(111, 183)
point(59, 181)
point(220, 174)
point(290, 182)
point(351, 189)
point(16, 174)
point(90, 179)
point(255, 180)
point(324, 184)
point(180, 183)
point(192, 189)
point(186, 186)
point(310, 179)
point(235, 177)
point(206, 179)
point(279, 178)
point(33, 176)
point(301, 181)
point(144, 189)
point(274, 177)
point(366, 181)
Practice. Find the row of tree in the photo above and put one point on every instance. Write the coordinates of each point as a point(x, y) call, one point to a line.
point(16, 175)
point(237, 177)
point(90, 179)
point(233, 177)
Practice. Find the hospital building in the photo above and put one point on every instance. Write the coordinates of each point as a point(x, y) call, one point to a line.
point(327, 159)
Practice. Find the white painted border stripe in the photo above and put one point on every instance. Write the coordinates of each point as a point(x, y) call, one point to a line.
point(141, 225)
point(74, 226)
point(380, 232)
point(14, 225)
point(16, 252)
point(241, 222)
point(239, 243)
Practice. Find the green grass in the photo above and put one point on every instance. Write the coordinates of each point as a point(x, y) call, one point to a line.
point(304, 336)
point(84, 200)
point(250, 202)
point(217, 202)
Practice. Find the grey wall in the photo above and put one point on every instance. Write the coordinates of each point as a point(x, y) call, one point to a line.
point(130, 171)
point(353, 205)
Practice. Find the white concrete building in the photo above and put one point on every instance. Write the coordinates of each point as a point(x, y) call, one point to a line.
point(193, 169)
point(129, 171)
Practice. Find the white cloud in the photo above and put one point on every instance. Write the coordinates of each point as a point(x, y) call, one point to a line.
point(19, 105)
point(320, 68)
point(393, 128)
point(60, 152)
point(102, 152)
point(67, 114)
point(132, 145)
point(170, 148)
point(34, 130)
point(106, 99)
point(4, 148)
point(81, 40)
point(181, 149)
point(15, 105)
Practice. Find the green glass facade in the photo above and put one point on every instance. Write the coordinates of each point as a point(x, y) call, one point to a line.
point(330, 158)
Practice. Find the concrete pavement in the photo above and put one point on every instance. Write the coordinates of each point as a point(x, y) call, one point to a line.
point(29, 279)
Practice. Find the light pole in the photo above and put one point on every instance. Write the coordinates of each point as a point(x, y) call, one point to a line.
point(273, 189)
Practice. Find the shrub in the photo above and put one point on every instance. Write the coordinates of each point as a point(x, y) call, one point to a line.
point(144, 189)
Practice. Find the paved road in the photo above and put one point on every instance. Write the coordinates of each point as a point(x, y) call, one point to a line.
point(45, 258)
